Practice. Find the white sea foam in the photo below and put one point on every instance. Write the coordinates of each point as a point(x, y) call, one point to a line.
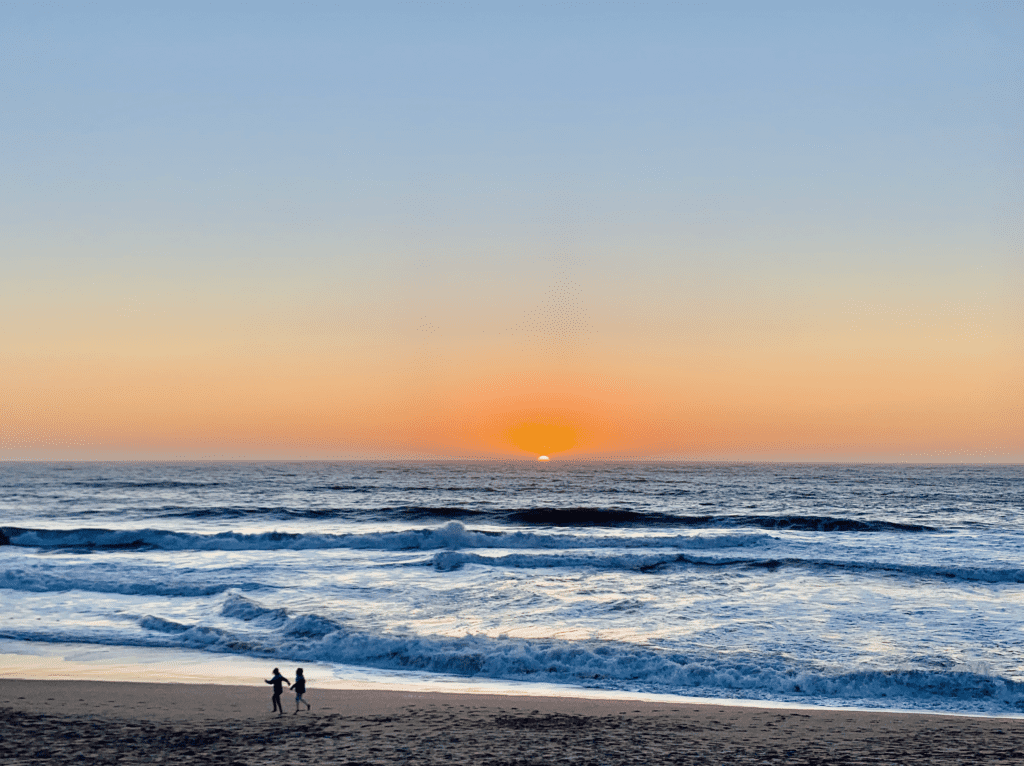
point(263, 631)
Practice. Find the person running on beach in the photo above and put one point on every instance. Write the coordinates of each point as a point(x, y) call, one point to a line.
point(300, 688)
point(277, 681)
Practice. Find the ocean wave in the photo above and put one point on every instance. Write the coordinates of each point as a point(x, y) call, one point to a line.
point(41, 582)
point(610, 665)
point(160, 625)
point(576, 516)
point(309, 625)
point(450, 561)
point(246, 610)
point(820, 524)
point(611, 517)
point(239, 512)
point(591, 517)
point(290, 514)
point(600, 664)
point(451, 536)
point(144, 484)
point(377, 488)
point(427, 512)
point(455, 543)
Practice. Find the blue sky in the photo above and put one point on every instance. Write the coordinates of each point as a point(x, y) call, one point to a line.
point(363, 167)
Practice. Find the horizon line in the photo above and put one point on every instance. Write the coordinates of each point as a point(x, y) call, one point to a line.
point(529, 460)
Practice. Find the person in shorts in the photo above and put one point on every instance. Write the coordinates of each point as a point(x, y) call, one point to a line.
point(300, 688)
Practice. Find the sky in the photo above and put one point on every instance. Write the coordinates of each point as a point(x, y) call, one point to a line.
point(384, 230)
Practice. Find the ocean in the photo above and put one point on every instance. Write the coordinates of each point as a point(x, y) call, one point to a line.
point(877, 586)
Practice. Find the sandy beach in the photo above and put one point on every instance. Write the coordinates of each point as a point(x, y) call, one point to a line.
point(63, 721)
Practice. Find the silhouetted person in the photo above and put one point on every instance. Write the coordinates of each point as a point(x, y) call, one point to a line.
point(278, 681)
point(300, 688)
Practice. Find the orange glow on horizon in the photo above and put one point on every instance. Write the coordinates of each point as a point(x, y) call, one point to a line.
point(883, 398)
point(543, 438)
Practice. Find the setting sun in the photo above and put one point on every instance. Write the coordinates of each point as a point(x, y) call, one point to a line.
point(543, 438)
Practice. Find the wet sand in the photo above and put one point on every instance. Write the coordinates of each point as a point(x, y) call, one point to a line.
point(59, 721)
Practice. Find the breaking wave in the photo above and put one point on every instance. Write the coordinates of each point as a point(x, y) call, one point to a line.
point(270, 632)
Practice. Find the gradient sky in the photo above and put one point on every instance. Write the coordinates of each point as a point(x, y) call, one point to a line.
point(768, 231)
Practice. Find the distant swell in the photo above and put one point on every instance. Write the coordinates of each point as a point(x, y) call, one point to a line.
point(426, 512)
point(592, 517)
point(613, 518)
point(448, 561)
point(374, 488)
point(37, 582)
point(577, 516)
point(819, 524)
point(452, 535)
point(158, 484)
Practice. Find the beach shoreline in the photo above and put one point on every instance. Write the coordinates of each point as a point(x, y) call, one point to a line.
point(139, 722)
point(23, 660)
